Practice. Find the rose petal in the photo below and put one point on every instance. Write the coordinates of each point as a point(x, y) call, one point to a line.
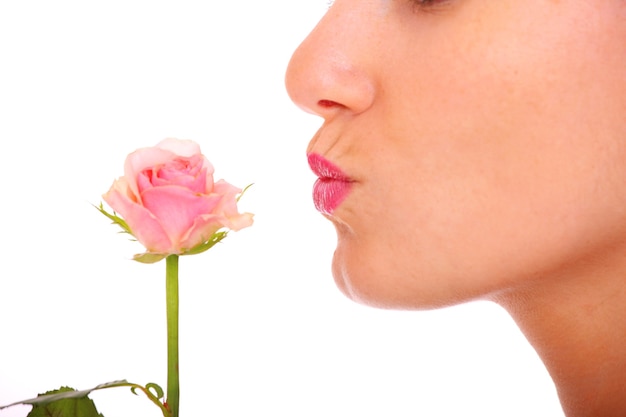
point(201, 230)
point(181, 147)
point(139, 161)
point(204, 227)
point(186, 172)
point(240, 221)
point(164, 152)
point(144, 226)
point(176, 208)
point(228, 204)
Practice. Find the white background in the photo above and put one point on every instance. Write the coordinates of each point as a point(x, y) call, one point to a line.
point(263, 329)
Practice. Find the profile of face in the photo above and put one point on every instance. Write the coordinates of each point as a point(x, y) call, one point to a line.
point(474, 146)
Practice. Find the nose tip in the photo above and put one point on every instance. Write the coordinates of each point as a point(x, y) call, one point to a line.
point(325, 74)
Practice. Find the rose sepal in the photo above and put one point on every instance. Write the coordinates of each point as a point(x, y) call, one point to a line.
point(149, 257)
point(243, 191)
point(152, 257)
point(116, 219)
point(205, 246)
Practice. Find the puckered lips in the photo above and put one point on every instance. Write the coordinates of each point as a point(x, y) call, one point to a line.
point(332, 185)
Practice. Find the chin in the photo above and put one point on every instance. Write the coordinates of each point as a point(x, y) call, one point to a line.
point(391, 280)
point(386, 288)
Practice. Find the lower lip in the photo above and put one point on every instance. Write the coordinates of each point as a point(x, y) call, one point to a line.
point(329, 193)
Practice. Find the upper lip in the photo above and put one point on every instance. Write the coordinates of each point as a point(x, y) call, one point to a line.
point(325, 169)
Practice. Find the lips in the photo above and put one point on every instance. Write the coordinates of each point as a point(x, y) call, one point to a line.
point(332, 185)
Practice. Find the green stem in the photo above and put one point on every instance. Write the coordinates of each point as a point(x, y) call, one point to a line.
point(171, 294)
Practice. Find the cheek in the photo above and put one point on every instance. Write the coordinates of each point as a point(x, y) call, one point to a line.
point(505, 182)
point(464, 236)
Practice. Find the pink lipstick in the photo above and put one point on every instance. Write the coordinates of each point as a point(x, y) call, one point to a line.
point(332, 185)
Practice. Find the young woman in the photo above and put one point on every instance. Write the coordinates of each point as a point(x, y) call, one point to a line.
point(476, 149)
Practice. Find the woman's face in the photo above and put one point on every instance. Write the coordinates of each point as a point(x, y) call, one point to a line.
point(485, 141)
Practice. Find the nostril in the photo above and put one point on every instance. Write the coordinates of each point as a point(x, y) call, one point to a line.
point(327, 104)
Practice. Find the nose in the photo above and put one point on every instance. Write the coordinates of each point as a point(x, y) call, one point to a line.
point(328, 72)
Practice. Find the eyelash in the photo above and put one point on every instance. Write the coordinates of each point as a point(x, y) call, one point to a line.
point(427, 4)
point(424, 4)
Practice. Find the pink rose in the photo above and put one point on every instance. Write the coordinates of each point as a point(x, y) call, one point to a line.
point(169, 200)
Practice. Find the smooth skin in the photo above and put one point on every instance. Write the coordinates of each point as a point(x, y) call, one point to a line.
point(487, 145)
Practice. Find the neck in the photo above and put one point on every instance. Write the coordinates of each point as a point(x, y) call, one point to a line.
point(577, 325)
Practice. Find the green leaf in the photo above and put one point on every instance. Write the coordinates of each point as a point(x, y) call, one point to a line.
point(65, 393)
point(65, 403)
